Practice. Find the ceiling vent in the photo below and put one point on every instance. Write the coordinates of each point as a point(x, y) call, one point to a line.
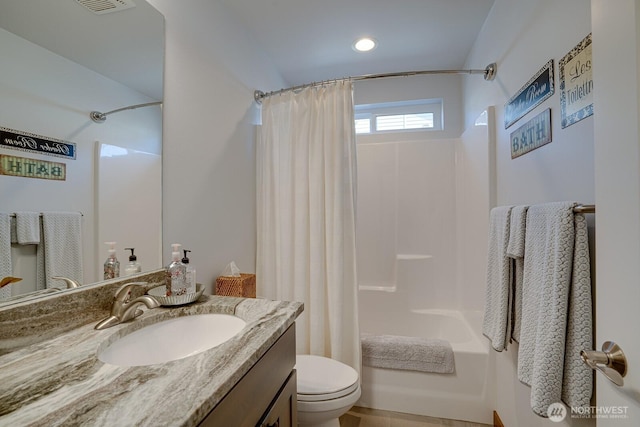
point(100, 7)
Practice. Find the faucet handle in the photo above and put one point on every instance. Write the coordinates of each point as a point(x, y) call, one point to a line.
point(123, 294)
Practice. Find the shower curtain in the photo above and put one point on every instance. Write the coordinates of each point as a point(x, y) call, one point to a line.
point(306, 188)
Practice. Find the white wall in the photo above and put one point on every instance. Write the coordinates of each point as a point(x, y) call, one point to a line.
point(475, 180)
point(45, 94)
point(212, 67)
point(521, 36)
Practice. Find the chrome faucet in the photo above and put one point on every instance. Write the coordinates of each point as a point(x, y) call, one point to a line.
point(124, 309)
point(71, 284)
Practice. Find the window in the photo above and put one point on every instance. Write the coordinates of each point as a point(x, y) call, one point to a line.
point(423, 114)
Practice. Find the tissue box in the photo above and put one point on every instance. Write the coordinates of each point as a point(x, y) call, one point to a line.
point(243, 286)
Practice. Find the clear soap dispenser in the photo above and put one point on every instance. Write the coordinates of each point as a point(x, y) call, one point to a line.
point(111, 265)
point(176, 274)
point(133, 266)
point(191, 273)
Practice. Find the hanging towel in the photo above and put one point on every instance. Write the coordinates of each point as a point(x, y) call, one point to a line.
point(5, 253)
point(28, 228)
point(515, 250)
point(407, 353)
point(496, 308)
point(62, 238)
point(577, 381)
point(550, 244)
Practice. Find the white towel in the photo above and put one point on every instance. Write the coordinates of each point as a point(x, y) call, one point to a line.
point(515, 250)
point(547, 286)
point(6, 268)
point(407, 353)
point(28, 228)
point(62, 238)
point(496, 308)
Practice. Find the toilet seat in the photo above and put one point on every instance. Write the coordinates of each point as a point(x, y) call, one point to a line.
point(321, 378)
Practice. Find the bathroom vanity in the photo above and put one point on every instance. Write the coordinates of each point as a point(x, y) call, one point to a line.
point(248, 380)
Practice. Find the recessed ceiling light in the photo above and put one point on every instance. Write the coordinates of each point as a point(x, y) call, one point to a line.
point(364, 44)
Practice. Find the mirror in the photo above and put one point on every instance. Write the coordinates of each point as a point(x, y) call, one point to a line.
point(61, 61)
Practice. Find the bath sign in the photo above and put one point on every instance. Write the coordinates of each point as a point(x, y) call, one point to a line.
point(531, 135)
point(576, 84)
point(536, 90)
point(30, 142)
point(32, 168)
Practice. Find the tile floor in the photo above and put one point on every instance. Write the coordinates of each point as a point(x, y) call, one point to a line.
point(365, 417)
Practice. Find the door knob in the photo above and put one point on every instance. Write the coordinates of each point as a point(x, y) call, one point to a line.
point(610, 361)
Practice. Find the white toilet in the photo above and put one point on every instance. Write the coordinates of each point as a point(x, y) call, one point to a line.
point(326, 390)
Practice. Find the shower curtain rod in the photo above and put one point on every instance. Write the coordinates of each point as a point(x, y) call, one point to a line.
point(489, 74)
point(99, 117)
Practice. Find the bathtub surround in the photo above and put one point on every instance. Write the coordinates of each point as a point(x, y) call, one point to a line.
point(557, 320)
point(407, 353)
point(306, 215)
point(421, 227)
point(496, 323)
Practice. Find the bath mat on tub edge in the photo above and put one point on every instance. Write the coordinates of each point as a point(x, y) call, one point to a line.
point(407, 353)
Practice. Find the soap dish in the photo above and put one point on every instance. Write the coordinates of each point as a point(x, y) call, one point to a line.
point(159, 293)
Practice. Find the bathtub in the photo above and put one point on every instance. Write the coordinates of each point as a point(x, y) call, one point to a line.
point(463, 395)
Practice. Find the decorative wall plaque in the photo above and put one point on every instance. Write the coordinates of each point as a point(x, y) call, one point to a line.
point(32, 168)
point(536, 90)
point(531, 135)
point(576, 84)
point(25, 141)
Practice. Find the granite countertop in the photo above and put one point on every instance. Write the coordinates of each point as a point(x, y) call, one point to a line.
point(60, 381)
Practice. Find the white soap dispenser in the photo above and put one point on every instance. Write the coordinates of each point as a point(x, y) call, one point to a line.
point(133, 266)
point(191, 273)
point(176, 274)
point(111, 265)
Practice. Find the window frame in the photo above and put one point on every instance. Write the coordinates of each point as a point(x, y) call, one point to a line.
point(372, 111)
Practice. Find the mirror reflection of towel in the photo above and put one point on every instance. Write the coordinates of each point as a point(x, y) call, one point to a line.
point(62, 242)
point(5, 252)
point(28, 228)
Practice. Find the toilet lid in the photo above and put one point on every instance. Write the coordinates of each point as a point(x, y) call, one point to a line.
point(321, 378)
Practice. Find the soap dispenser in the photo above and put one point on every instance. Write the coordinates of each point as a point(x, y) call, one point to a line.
point(176, 274)
point(133, 266)
point(111, 265)
point(191, 273)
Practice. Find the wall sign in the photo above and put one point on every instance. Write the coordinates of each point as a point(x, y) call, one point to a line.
point(25, 141)
point(32, 168)
point(576, 84)
point(536, 90)
point(531, 135)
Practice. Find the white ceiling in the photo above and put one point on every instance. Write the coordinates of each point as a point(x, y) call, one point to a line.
point(310, 40)
point(125, 46)
point(307, 40)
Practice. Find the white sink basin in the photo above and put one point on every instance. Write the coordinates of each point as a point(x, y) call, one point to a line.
point(172, 340)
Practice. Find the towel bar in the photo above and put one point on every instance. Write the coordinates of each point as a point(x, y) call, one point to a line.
point(585, 209)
